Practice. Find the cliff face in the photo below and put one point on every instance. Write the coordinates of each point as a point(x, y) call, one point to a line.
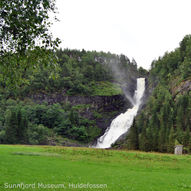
point(183, 87)
point(107, 102)
point(102, 109)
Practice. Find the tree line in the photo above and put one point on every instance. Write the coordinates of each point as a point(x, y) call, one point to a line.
point(166, 119)
point(29, 123)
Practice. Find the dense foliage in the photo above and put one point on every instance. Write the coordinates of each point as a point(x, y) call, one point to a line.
point(29, 123)
point(25, 40)
point(166, 120)
point(78, 73)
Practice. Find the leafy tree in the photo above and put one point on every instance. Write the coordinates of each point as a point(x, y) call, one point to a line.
point(24, 36)
point(38, 134)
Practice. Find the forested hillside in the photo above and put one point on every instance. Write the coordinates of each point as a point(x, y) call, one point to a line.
point(51, 96)
point(71, 105)
point(166, 119)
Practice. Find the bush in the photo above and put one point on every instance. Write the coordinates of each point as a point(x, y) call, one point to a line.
point(38, 134)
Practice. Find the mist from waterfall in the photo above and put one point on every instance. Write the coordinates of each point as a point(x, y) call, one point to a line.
point(122, 122)
point(123, 71)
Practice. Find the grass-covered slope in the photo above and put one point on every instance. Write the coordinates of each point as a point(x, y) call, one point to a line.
point(118, 170)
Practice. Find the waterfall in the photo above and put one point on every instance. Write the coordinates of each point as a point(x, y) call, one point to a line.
point(122, 122)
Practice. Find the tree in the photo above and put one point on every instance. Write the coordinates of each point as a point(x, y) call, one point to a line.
point(143, 143)
point(150, 138)
point(180, 117)
point(142, 71)
point(185, 47)
point(16, 125)
point(133, 137)
point(11, 125)
point(24, 36)
point(185, 68)
point(186, 137)
point(22, 126)
point(162, 139)
point(189, 145)
point(38, 134)
point(171, 143)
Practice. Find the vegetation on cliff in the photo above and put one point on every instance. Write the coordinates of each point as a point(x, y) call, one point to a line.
point(28, 119)
point(166, 119)
point(31, 65)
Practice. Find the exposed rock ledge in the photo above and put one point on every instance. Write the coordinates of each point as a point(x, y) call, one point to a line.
point(109, 102)
point(108, 106)
point(183, 87)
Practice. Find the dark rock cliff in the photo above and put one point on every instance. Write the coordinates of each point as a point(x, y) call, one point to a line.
point(106, 107)
point(108, 102)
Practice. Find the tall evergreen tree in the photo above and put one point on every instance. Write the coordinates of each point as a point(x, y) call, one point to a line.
point(143, 140)
point(11, 125)
point(171, 142)
point(133, 137)
point(162, 139)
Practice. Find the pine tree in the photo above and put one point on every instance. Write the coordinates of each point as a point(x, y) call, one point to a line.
point(11, 125)
point(16, 125)
point(22, 127)
point(149, 136)
point(133, 138)
point(189, 145)
point(180, 135)
point(154, 124)
point(162, 139)
point(186, 137)
point(171, 142)
point(143, 140)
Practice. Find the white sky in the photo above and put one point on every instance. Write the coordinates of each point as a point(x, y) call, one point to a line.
point(142, 29)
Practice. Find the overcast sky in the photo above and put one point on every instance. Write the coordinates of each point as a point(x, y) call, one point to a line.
point(140, 29)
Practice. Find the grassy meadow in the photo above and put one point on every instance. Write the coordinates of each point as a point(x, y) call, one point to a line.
point(45, 167)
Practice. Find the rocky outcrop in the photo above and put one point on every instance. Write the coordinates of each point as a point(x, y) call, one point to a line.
point(181, 88)
point(108, 107)
point(109, 103)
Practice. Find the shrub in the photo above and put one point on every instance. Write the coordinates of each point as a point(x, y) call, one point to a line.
point(38, 134)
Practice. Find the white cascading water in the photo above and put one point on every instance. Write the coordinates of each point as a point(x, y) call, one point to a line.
point(122, 122)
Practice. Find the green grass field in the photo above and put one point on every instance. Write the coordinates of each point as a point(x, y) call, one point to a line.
point(45, 167)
